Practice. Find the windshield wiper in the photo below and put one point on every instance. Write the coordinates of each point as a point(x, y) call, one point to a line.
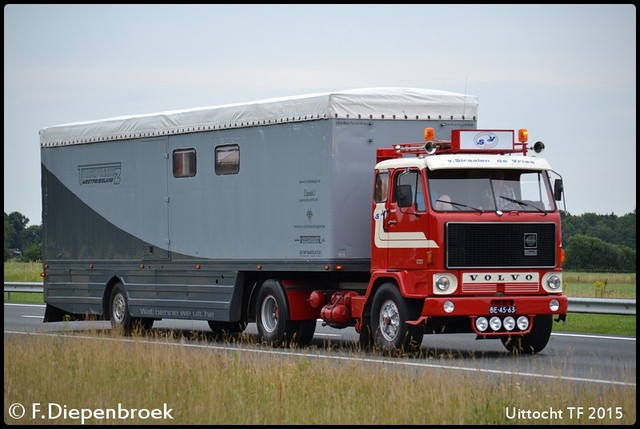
point(523, 204)
point(453, 203)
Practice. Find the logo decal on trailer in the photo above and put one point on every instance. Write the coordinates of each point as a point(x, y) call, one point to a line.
point(97, 174)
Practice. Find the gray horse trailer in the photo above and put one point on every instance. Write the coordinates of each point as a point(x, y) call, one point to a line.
point(190, 214)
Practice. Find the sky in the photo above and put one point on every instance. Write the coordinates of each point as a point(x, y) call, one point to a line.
point(566, 72)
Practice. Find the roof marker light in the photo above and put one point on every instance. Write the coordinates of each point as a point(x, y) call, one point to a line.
point(523, 135)
point(429, 134)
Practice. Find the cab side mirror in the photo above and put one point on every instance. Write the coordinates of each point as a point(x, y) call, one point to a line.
point(558, 189)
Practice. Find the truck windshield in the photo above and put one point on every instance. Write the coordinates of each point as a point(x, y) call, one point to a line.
point(490, 190)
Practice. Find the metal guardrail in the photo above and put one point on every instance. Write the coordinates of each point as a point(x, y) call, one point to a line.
point(602, 306)
point(576, 305)
point(35, 287)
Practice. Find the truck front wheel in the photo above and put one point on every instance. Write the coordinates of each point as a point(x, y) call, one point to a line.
point(534, 341)
point(390, 312)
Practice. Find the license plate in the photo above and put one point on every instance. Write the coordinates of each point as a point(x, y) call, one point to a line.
point(502, 309)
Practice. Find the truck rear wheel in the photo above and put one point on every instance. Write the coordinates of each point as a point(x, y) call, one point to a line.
point(272, 318)
point(304, 332)
point(272, 314)
point(533, 342)
point(390, 312)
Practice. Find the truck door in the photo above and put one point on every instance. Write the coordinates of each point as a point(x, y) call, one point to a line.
point(380, 229)
point(406, 221)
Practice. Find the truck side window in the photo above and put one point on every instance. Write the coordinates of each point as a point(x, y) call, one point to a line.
point(184, 162)
point(420, 206)
point(412, 178)
point(227, 159)
point(382, 186)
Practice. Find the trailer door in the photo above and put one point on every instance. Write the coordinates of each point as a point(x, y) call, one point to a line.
point(154, 165)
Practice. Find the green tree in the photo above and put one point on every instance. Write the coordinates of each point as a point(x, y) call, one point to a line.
point(625, 230)
point(17, 235)
point(8, 236)
point(17, 223)
point(593, 254)
point(31, 236)
point(613, 229)
point(32, 253)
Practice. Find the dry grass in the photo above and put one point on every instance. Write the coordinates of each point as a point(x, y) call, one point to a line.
point(211, 386)
point(22, 271)
point(613, 278)
point(599, 285)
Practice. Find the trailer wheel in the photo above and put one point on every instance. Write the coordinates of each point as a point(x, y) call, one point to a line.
point(144, 323)
point(230, 328)
point(390, 312)
point(120, 316)
point(272, 314)
point(533, 342)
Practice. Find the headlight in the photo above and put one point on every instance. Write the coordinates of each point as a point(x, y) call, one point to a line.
point(523, 323)
point(554, 305)
point(554, 282)
point(495, 323)
point(509, 323)
point(443, 283)
point(482, 324)
point(449, 307)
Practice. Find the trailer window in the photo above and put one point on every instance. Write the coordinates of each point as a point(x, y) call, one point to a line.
point(227, 159)
point(184, 163)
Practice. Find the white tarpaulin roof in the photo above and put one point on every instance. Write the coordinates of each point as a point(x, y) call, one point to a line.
point(365, 103)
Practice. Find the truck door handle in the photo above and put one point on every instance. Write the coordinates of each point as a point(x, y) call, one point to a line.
point(393, 222)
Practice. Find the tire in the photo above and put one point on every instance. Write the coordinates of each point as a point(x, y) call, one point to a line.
point(365, 339)
point(119, 312)
point(304, 332)
point(230, 328)
point(144, 323)
point(533, 342)
point(390, 312)
point(272, 315)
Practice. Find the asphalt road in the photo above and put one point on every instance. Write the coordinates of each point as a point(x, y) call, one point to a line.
point(581, 358)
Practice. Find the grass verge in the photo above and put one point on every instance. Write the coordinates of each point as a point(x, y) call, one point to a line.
point(227, 387)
